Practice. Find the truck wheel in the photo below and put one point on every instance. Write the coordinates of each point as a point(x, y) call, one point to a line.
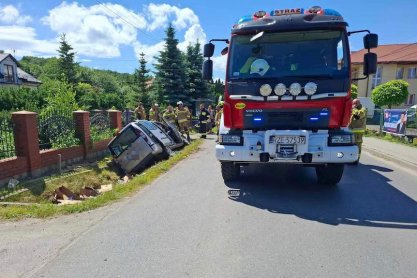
point(230, 171)
point(329, 174)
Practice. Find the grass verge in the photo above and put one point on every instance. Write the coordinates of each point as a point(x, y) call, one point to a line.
point(391, 138)
point(119, 191)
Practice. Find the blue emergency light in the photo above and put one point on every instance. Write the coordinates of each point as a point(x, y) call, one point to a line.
point(278, 12)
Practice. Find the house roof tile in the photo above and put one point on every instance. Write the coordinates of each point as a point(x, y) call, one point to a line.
point(389, 54)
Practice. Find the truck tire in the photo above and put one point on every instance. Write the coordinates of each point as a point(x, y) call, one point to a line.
point(230, 171)
point(329, 174)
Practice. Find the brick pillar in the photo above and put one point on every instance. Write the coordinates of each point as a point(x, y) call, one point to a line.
point(26, 140)
point(115, 118)
point(82, 129)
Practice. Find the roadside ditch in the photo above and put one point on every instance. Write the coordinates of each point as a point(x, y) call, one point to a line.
point(82, 188)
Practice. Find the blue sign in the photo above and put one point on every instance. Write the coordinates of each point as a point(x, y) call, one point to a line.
point(395, 121)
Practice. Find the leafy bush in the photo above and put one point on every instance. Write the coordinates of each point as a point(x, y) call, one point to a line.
point(61, 97)
point(393, 92)
point(65, 141)
point(354, 91)
point(14, 99)
point(6, 144)
point(101, 134)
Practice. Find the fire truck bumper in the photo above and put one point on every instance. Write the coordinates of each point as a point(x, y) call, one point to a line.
point(313, 155)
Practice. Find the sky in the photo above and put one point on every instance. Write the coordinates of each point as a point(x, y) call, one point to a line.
point(111, 34)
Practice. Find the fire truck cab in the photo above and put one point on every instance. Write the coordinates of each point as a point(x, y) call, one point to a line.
point(287, 92)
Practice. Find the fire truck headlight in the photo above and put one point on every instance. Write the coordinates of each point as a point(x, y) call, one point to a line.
point(280, 89)
point(295, 89)
point(310, 88)
point(265, 90)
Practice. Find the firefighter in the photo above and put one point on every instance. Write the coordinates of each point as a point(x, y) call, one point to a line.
point(219, 113)
point(183, 115)
point(211, 123)
point(140, 112)
point(154, 113)
point(202, 119)
point(358, 123)
point(169, 115)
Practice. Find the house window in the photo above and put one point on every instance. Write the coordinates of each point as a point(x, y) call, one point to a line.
point(355, 74)
point(8, 73)
point(400, 73)
point(411, 100)
point(412, 73)
point(377, 78)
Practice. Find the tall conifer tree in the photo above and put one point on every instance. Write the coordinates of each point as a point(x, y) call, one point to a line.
point(170, 75)
point(66, 64)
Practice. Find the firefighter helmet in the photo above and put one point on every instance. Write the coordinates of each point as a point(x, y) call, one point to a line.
point(259, 66)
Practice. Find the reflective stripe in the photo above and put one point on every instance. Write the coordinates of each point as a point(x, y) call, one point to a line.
point(358, 130)
point(203, 122)
point(182, 121)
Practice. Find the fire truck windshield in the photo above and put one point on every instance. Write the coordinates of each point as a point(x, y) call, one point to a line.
point(317, 53)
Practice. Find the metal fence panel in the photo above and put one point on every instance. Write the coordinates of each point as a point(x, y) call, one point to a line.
point(55, 127)
point(99, 120)
point(7, 147)
point(100, 126)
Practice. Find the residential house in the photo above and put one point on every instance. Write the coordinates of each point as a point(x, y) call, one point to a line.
point(13, 76)
point(395, 61)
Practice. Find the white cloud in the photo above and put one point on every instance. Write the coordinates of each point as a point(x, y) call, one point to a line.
point(150, 51)
point(98, 30)
point(182, 19)
point(11, 15)
point(220, 63)
point(24, 41)
point(160, 15)
point(192, 35)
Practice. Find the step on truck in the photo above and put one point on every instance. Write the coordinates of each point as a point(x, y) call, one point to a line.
point(287, 91)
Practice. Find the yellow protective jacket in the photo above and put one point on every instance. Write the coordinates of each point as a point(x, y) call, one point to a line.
point(183, 115)
point(140, 113)
point(218, 116)
point(170, 116)
point(153, 115)
point(358, 120)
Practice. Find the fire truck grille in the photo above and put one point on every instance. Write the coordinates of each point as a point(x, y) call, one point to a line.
point(295, 117)
point(314, 118)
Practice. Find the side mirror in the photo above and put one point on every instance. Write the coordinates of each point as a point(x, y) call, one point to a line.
point(370, 41)
point(369, 64)
point(208, 70)
point(225, 51)
point(208, 50)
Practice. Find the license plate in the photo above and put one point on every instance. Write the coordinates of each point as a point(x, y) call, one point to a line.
point(234, 192)
point(290, 139)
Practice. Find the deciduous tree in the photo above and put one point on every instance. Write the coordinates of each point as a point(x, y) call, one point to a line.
point(393, 92)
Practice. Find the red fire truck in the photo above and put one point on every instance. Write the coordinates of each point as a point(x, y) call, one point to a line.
point(287, 96)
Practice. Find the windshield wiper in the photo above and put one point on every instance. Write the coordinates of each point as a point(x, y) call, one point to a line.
point(316, 76)
point(251, 78)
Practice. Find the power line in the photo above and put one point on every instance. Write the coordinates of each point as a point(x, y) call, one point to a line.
point(128, 22)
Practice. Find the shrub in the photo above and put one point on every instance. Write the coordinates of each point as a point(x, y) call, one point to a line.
point(393, 92)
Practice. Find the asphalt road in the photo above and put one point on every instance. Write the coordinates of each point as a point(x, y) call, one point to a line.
point(282, 224)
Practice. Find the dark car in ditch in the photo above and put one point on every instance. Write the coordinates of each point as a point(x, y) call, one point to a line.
point(143, 142)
